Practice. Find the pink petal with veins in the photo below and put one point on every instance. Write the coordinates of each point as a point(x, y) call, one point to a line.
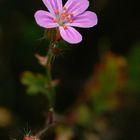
point(45, 19)
point(76, 7)
point(70, 35)
point(53, 5)
point(84, 20)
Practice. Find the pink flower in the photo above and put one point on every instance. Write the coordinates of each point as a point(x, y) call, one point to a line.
point(73, 14)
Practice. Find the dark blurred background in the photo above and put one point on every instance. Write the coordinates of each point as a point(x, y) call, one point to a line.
point(118, 32)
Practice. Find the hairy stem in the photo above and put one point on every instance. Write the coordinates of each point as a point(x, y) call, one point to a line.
point(51, 97)
point(49, 76)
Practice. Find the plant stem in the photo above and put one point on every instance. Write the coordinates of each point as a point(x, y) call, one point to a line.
point(51, 96)
point(49, 76)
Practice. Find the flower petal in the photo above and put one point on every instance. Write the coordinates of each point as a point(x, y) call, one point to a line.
point(70, 35)
point(45, 19)
point(53, 5)
point(76, 7)
point(85, 20)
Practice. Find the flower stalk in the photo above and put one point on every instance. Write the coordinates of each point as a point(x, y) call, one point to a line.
point(49, 77)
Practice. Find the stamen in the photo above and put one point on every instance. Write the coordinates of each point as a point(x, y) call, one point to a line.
point(65, 27)
point(71, 21)
point(56, 12)
point(63, 15)
point(55, 20)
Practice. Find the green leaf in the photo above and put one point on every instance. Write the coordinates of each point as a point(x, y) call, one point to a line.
point(36, 83)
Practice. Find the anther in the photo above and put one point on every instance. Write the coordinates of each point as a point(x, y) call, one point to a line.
point(65, 27)
point(71, 21)
point(55, 20)
point(56, 12)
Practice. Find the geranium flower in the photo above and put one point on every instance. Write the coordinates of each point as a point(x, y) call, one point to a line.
point(73, 14)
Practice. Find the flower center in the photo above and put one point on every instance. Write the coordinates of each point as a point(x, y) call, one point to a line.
point(63, 18)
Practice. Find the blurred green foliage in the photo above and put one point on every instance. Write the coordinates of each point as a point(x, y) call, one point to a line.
point(35, 83)
point(134, 67)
